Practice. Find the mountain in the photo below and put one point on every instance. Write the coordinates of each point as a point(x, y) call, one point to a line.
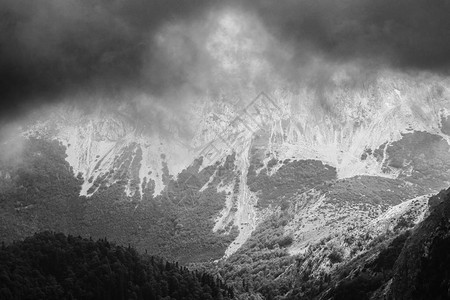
point(410, 265)
point(262, 189)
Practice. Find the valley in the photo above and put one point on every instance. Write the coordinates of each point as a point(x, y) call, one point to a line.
point(229, 150)
point(275, 196)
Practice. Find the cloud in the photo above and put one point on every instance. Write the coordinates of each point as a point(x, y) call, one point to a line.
point(407, 34)
point(51, 48)
point(176, 49)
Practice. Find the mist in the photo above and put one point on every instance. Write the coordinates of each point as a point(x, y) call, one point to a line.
point(174, 51)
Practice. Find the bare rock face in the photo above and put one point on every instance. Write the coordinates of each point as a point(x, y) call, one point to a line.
point(421, 269)
point(351, 131)
point(410, 262)
point(390, 131)
point(283, 193)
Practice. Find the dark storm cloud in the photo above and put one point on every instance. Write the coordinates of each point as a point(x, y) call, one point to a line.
point(409, 34)
point(367, 35)
point(53, 48)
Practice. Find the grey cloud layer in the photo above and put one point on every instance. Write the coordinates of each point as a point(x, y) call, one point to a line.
point(403, 33)
point(52, 48)
point(49, 48)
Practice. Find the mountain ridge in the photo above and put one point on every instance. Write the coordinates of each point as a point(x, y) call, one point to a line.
point(358, 133)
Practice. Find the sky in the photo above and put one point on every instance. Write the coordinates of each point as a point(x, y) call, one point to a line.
point(79, 50)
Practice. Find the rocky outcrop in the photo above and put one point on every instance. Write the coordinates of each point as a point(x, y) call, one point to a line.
point(421, 271)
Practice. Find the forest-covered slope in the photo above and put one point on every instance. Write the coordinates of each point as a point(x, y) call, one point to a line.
point(55, 266)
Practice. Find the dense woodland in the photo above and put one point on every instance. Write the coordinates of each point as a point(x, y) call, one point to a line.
point(40, 192)
point(55, 266)
point(291, 178)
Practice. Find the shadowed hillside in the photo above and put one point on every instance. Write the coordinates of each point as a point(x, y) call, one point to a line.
point(56, 266)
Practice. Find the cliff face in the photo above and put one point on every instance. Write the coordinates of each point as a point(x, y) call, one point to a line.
point(392, 126)
point(303, 195)
point(343, 131)
point(421, 271)
point(408, 261)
